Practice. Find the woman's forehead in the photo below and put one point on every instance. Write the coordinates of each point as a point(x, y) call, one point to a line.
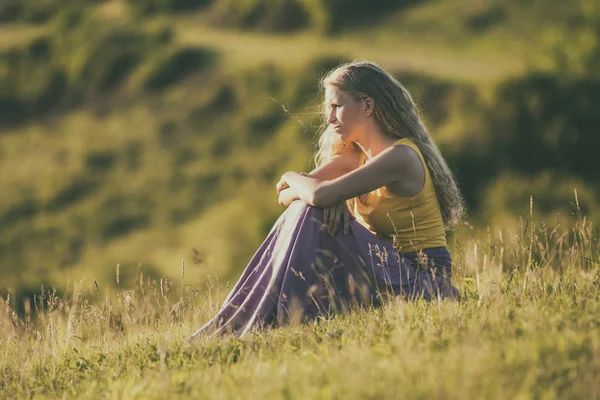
point(333, 92)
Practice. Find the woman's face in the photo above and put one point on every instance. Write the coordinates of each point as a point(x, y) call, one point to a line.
point(345, 115)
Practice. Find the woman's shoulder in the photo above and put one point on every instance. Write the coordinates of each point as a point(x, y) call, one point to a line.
point(410, 147)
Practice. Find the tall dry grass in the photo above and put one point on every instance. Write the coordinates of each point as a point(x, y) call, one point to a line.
point(528, 325)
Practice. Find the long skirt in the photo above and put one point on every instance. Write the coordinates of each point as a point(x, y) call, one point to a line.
point(300, 272)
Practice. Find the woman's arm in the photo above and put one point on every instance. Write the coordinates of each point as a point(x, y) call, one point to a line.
point(385, 168)
point(339, 165)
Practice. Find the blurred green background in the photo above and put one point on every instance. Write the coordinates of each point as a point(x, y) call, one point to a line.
point(135, 131)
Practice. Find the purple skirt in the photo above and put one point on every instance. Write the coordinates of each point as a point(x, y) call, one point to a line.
point(300, 272)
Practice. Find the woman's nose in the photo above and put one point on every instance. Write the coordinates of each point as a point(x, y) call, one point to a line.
point(331, 119)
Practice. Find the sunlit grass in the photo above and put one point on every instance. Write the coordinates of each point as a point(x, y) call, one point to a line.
point(439, 38)
point(12, 35)
point(527, 326)
point(399, 52)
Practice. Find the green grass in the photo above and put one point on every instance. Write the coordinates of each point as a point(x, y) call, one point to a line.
point(13, 35)
point(528, 326)
point(470, 41)
point(398, 52)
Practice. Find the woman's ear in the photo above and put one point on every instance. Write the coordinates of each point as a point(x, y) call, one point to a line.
point(369, 106)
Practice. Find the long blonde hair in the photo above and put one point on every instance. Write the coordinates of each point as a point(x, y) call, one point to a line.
point(398, 116)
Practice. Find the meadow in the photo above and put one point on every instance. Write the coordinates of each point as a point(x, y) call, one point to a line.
point(135, 137)
point(527, 326)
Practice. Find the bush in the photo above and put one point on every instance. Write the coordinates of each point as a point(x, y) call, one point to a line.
point(287, 15)
point(29, 85)
point(109, 60)
point(331, 16)
point(176, 65)
point(546, 122)
point(480, 20)
point(9, 11)
point(146, 7)
point(37, 11)
point(266, 15)
point(553, 193)
point(84, 58)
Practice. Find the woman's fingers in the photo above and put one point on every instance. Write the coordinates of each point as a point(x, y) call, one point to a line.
point(346, 220)
point(336, 217)
point(281, 185)
point(330, 220)
point(334, 220)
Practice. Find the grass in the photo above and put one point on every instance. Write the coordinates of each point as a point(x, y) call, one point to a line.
point(470, 41)
point(396, 51)
point(13, 35)
point(528, 326)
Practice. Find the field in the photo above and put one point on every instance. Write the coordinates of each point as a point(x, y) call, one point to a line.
point(527, 326)
point(140, 143)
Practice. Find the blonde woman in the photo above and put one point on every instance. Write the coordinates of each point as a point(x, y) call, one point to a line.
point(369, 221)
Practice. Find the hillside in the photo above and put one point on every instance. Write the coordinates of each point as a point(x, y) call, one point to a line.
point(132, 136)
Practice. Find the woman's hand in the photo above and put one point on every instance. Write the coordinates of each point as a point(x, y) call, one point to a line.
point(337, 215)
point(282, 184)
point(287, 196)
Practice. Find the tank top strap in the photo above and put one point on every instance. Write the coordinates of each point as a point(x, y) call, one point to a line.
point(362, 158)
point(406, 142)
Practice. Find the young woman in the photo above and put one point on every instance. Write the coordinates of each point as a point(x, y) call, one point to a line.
point(381, 180)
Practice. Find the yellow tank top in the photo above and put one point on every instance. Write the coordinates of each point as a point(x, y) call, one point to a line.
point(411, 223)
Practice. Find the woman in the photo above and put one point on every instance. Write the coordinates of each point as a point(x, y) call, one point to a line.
point(382, 178)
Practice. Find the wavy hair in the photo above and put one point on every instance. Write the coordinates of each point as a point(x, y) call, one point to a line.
point(398, 117)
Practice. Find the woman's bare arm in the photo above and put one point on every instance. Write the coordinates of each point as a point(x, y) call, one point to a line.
point(339, 165)
point(383, 169)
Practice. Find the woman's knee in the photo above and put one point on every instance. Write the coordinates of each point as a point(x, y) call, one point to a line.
point(300, 205)
point(299, 209)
